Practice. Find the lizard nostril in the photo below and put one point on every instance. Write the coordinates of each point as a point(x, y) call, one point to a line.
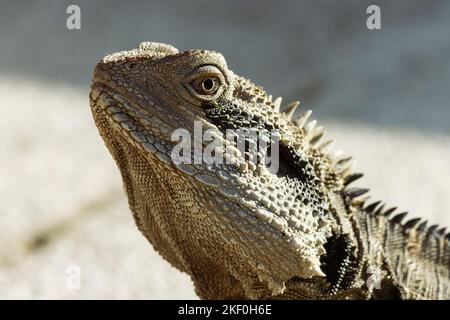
point(132, 65)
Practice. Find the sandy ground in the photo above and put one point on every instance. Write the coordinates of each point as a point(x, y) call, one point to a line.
point(382, 97)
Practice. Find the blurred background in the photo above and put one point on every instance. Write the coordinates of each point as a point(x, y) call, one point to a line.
point(383, 95)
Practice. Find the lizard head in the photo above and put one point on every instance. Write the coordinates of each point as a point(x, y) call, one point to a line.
point(157, 83)
point(255, 227)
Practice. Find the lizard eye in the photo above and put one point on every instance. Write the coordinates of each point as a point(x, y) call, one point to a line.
point(206, 85)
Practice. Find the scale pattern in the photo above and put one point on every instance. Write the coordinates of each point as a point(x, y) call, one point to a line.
point(238, 229)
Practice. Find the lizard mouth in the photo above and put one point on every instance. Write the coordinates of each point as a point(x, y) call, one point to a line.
point(133, 122)
point(118, 100)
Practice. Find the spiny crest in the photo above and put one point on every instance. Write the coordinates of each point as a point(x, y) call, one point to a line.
point(312, 133)
point(341, 164)
point(413, 224)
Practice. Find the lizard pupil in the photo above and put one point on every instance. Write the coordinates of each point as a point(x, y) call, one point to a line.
point(208, 84)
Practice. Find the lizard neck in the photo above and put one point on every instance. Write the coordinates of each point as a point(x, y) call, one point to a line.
point(404, 261)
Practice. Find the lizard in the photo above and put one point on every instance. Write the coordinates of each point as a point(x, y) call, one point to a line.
point(239, 230)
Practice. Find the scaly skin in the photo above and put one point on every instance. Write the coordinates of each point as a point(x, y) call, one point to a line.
point(238, 229)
